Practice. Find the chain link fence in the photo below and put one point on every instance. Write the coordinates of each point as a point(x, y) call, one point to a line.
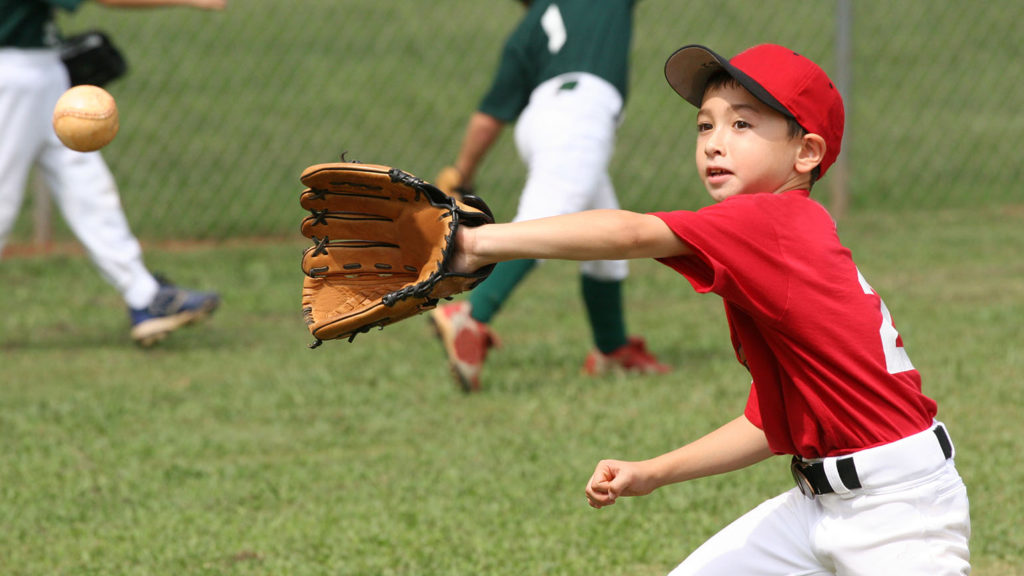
point(220, 112)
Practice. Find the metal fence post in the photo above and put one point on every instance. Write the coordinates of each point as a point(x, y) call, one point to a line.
point(42, 215)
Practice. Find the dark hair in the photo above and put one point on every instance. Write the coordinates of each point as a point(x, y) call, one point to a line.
point(722, 79)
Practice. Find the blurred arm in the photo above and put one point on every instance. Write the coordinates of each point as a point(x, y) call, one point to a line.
point(202, 4)
point(481, 132)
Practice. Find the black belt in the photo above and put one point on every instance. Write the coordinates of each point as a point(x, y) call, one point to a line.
point(812, 480)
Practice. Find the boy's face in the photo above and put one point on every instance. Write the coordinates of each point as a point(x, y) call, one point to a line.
point(745, 147)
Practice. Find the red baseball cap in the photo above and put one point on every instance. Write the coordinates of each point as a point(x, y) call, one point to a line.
point(784, 80)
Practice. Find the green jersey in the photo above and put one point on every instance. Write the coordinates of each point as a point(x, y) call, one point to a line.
point(29, 23)
point(560, 36)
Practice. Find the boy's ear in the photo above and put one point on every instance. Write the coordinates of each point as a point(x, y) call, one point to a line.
point(812, 152)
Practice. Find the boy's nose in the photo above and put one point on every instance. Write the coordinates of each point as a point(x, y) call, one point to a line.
point(713, 144)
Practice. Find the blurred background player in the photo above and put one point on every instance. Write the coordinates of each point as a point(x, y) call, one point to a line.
point(563, 79)
point(32, 79)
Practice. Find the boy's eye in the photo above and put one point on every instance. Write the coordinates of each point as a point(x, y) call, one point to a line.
point(741, 124)
point(703, 126)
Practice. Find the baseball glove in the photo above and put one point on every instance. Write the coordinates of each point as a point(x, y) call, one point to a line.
point(91, 58)
point(383, 240)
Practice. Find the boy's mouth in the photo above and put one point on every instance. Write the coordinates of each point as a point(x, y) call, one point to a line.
point(715, 173)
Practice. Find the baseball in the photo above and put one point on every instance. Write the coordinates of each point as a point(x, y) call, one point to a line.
point(85, 118)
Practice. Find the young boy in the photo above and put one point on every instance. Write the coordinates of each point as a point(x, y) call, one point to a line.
point(877, 490)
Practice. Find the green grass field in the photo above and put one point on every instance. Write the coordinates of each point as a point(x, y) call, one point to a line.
point(233, 449)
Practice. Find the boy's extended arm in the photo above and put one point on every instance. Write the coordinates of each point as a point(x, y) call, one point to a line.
point(590, 235)
point(735, 445)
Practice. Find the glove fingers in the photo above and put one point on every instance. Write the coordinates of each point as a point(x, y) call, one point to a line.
point(335, 186)
point(344, 197)
point(358, 261)
point(349, 217)
point(376, 223)
point(353, 201)
point(346, 176)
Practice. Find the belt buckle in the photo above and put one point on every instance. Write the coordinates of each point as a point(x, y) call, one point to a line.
point(797, 468)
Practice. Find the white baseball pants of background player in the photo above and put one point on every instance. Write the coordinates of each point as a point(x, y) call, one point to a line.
point(910, 519)
point(31, 82)
point(566, 136)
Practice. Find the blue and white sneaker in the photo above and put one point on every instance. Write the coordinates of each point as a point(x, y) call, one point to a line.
point(172, 308)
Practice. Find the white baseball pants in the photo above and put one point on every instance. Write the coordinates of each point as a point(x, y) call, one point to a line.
point(566, 136)
point(31, 82)
point(911, 519)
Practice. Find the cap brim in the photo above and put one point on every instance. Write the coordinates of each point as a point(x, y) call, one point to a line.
point(689, 69)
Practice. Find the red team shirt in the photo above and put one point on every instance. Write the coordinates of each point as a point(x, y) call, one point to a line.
point(830, 375)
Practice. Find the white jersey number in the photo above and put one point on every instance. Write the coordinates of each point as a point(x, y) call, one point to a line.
point(554, 27)
point(896, 359)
